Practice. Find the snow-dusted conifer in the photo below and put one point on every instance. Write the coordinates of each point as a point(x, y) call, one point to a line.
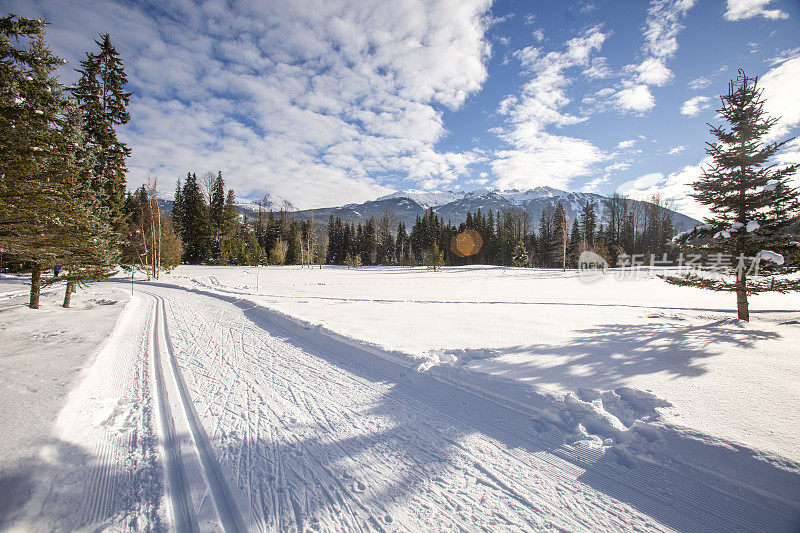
point(755, 209)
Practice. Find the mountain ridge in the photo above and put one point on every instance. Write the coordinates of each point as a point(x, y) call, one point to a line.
point(454, 205)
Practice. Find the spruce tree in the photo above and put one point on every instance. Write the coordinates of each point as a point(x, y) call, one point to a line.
point(216, 214)
point(177, 209)
point(194, 222)
point(574, 248)
point(754, 207)
point(588, 223)
point(520, 255)
point(434, 259)
point(37, 177)
point(560, 237)
point(104, 101)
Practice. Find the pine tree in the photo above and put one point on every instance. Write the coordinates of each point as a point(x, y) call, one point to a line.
point(194, 222)
point(37, 178)
point(560, 236)
point(545, 240)
point(101, 95)
point(588, 223)
point(216, 214)
point(752, 203)
point(177, 209)
point(520, 256)
point(91, 245)
point(575, 243)
point(434, 258)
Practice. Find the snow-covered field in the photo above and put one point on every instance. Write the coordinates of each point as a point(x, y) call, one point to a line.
point(475, 398)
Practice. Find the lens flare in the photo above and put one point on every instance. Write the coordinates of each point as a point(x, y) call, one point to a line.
point(466, 243)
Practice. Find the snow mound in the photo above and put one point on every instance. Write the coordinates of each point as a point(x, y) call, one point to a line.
point(766, 255)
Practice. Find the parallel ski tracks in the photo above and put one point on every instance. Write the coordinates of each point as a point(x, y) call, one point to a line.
point(166, 373)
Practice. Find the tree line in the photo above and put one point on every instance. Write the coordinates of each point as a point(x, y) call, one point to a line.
point(508, 237)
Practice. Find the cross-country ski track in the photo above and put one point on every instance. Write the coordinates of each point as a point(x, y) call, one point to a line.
point(265, 424)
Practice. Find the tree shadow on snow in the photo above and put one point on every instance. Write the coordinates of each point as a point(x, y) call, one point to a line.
point(605, 356)
point(74, 489)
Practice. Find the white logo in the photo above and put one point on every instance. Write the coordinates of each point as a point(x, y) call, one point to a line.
point(591, 266)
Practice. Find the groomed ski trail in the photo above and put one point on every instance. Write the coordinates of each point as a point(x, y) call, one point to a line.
point(314, 438)
point(185, 448)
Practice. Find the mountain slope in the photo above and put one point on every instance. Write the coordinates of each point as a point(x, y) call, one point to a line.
point(454, 206)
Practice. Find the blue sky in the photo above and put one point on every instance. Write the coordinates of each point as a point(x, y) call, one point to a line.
point(330, 102)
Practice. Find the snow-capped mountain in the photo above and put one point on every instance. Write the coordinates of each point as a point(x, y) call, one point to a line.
point(454, 205)
point(426, 199)
point(269, 202)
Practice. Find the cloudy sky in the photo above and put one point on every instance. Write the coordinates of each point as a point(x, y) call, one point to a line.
point(336, 101)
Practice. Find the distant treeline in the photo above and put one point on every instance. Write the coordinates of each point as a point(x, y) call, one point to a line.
point(213, 232)
point(508, 237)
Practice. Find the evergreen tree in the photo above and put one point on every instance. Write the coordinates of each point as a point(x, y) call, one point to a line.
point(560, 237)
point(753, 205)
point(575, 243)
point(520, 256)
point(177, 209)
point(92, 243)
point(37, 178)
point(101, 95)
point(194, 222)
point(216, 214)
point(434, 259)
point(588, 223)
point(545, 240)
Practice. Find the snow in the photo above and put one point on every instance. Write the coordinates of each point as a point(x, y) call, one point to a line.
point(771, 185)
point(752, 226)
point(386, 398)
point(772, 257)
point(527, 323)
point(41, 357)
point(426, 199)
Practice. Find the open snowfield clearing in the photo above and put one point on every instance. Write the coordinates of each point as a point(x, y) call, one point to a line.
point(386, 399)
point(554, 334)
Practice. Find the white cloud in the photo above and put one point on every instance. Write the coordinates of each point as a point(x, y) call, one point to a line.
point(311, 104)
point(700, 82)
point(694, 106)
point(675, 189)
point(677, 149)
point(537, 156)
point(626, 144)
point(781, 86)
point(546, 159)
point(661, 30)
point(745, 9)
point(636, 98)
point(652, 71)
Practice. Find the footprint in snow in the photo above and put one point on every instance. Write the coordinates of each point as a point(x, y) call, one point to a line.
point(388, 519)
point(358, 486)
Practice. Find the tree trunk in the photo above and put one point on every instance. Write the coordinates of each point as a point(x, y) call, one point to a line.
point(68, 293)
point(36, 285)
point(741, 297)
